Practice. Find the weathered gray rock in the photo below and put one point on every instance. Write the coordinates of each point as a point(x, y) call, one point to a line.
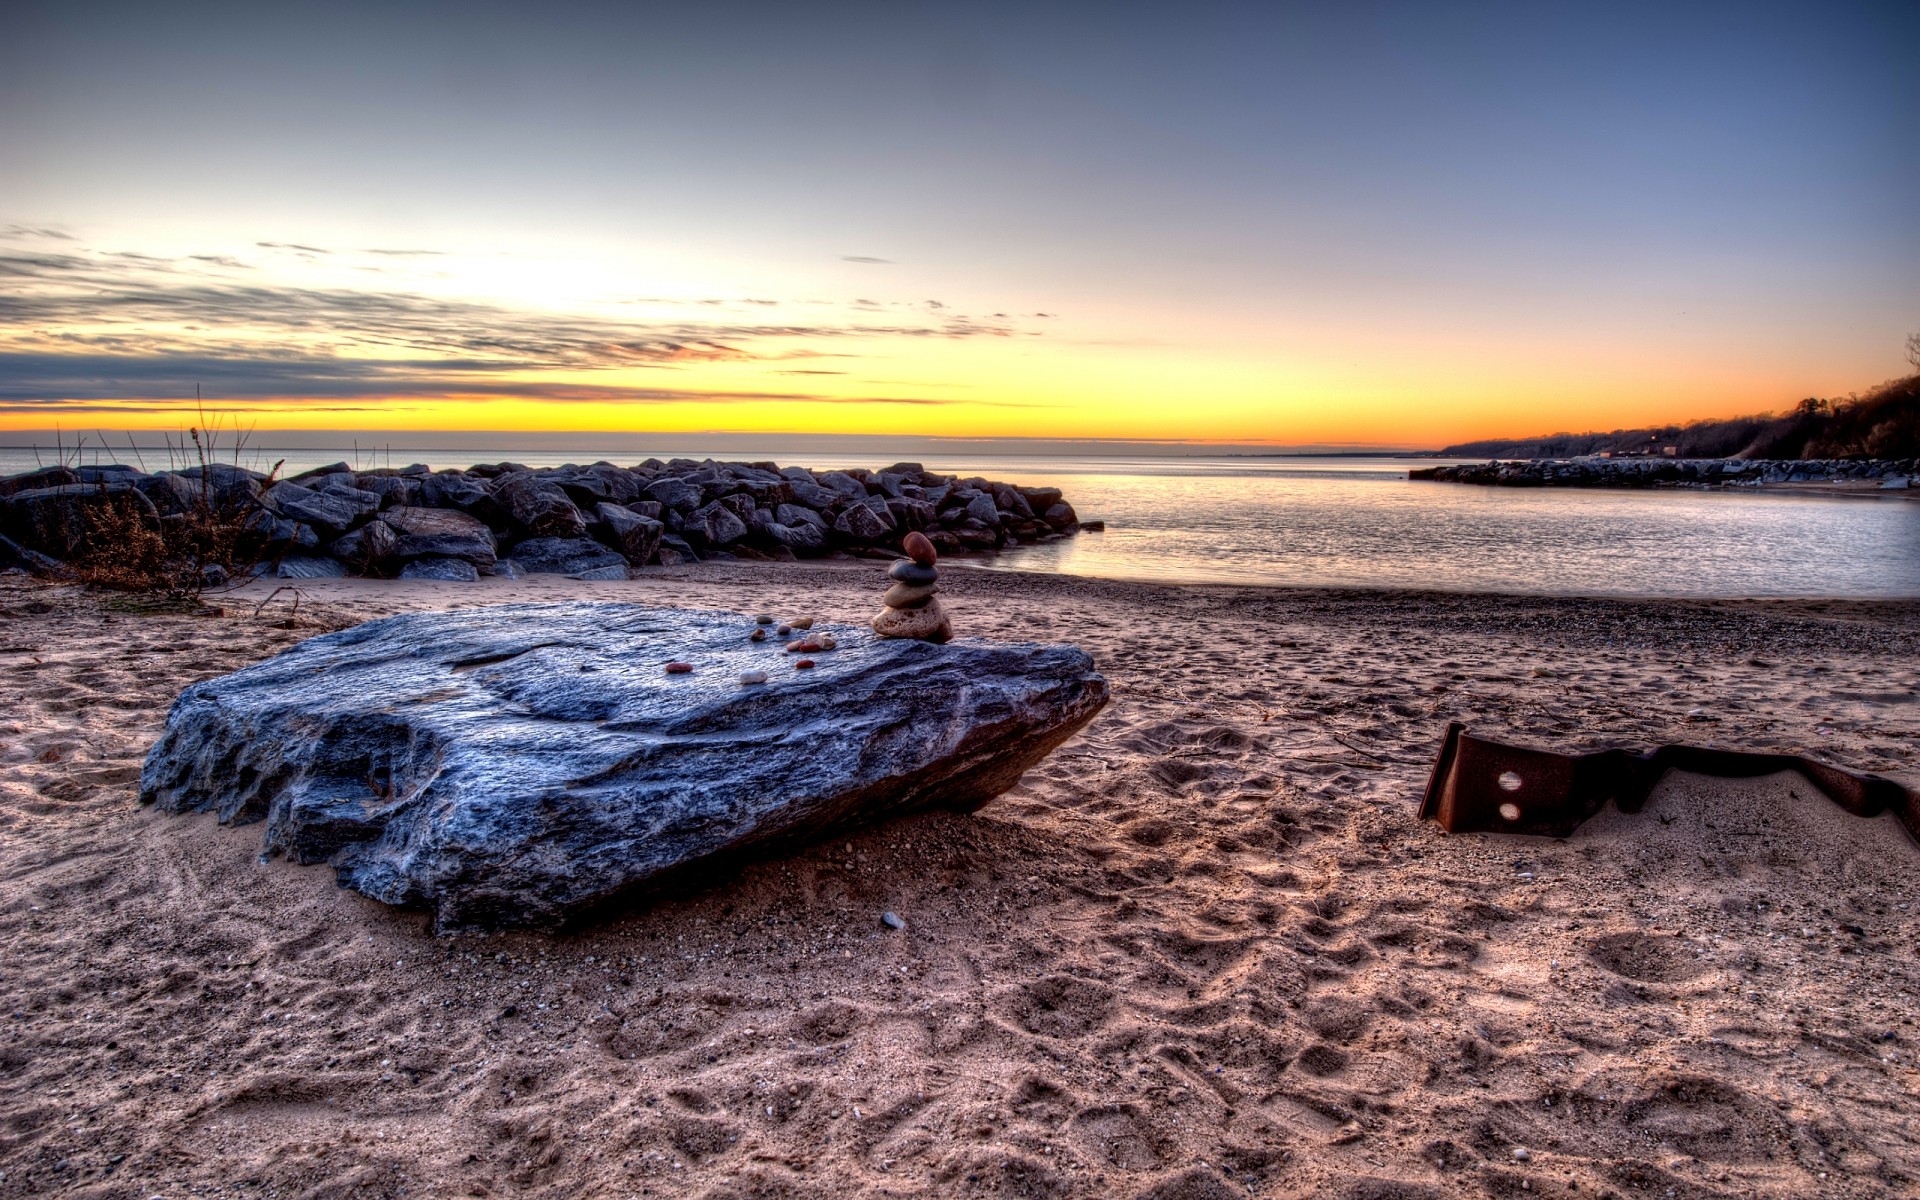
point(306, 566)
point(525, 765)
point(538, 505)
point(565, 556)
point(449, 570)
point(633, 535)
point(440, 533)
point(61, 521)
point(713, 525)
point(673, 493)
point(325, 511)
point(368, 548)
point(866, 522)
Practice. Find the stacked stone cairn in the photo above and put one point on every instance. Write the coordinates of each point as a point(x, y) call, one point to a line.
point(912, 608)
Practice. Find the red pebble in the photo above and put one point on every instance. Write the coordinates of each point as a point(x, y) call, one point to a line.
point(679, 668)
point(758, 635)
point(803, 664)
point(919, 547)
point(804, 646)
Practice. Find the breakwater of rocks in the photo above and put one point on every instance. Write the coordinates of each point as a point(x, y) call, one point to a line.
point(1855, 474)
point(590, 522)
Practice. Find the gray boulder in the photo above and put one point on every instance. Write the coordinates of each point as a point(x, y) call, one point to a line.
point(538, 506)
point(674, 493)
point(45, 477)
point(440, 533)
point(326, 511)
point(367, 548)
point(528, 765)
point(449, 570)
point(62, 521)
point(565, 556)
point(713, 525)
point(304, 566)
point(634, 536)
point(797, 514)
point(842, 483)
point(452, 489)
point(866, 522)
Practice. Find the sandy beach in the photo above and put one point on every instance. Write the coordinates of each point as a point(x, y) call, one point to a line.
point(1205, 950)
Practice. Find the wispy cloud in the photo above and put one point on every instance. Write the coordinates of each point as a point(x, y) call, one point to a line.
point(119, 327)
point(862, 258)
point(23, 232)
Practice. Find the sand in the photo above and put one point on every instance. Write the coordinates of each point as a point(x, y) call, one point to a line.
point(1205, 950)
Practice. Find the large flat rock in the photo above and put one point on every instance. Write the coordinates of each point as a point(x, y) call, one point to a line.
point(523, 765)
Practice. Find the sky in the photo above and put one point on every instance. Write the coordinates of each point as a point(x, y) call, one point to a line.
point(1330, 225)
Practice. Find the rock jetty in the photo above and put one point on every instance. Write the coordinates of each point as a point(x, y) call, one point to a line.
point(1850, 474)
point(591, 522)
point(525, 765)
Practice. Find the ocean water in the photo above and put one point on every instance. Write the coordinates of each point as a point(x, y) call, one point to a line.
point(1360, 522)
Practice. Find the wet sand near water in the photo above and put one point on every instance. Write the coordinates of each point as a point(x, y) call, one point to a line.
point(1204, 950)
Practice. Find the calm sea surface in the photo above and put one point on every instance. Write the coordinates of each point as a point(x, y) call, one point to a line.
point(1362, 523)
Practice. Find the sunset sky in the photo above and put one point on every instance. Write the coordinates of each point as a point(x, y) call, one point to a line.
point(1324, 224)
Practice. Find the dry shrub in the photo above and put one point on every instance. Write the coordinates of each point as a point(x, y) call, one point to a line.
point(218, 542)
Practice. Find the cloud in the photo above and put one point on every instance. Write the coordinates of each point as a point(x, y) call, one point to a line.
point(294, 246)
point(861, 258)
point(34, 231)
point(78, 328)
point(48, 382)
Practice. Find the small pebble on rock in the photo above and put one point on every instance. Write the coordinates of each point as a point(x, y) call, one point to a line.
point(784, 630)
point(803, 664)
point(753, 677)
point(801, 622)
point(758, 635)
point(679, 668)
point(763, 619)
point(1521, 1154)
point(892, 920)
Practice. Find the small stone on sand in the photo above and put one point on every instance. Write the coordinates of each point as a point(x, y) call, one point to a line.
point(749, 677)
point(892, 920)
point(803, 664)
point(679, 668)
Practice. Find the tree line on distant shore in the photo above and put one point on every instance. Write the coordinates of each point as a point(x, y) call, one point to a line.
point(1883, 422)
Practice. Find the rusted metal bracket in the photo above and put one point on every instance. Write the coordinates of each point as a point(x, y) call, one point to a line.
point(1479, 785)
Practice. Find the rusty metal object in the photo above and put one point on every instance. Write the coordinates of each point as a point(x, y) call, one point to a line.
point(1480, 786)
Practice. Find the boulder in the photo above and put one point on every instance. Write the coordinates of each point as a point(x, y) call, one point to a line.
point(865, 522)
point(799, 514)
point(674, 493)
point(327, 512)
point(453, 489)
point(634, 536)
point(538, 506)
point(713, 525)
point(529, 765)
point(811, 494)
point(15, 557)
point(440, 533)
point(982, 509)
point(45, 477)
point(60, 521)
point(449, 570)
point(565, 556)
point(368, 548)
point(843, 483)
point(304, 566)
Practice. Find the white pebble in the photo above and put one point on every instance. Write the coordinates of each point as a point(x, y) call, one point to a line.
point(748, 677)
point(892, 920)
point(1521, 1154)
